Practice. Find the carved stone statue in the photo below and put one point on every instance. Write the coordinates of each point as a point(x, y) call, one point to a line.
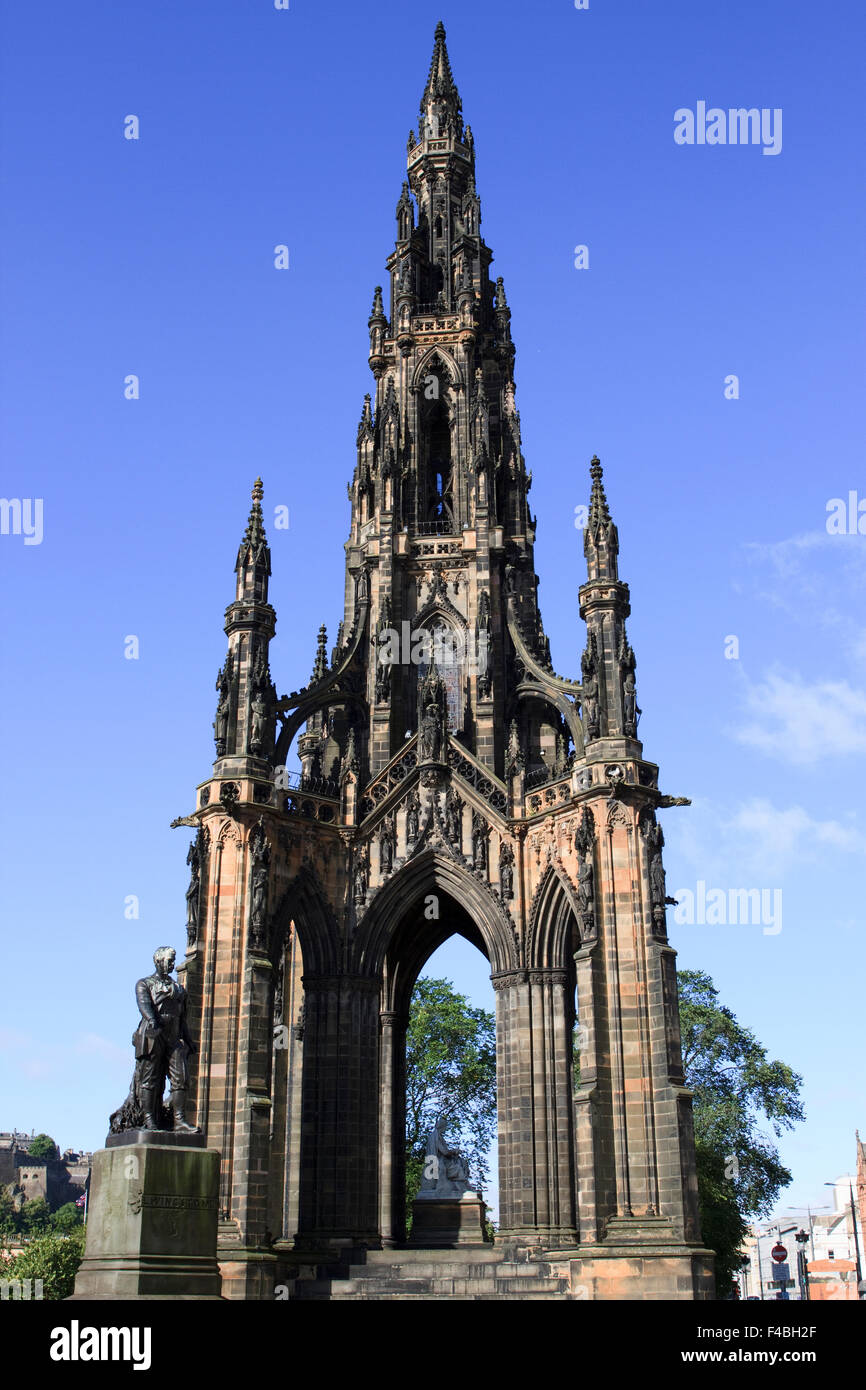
point(412, 819)
point(431, 733)
point(453, 819)
point(386, 846)
point(479, 842)
point(261, 857)
point(361, 877)
point(586, 899)
point(258, 722)
point(162, 1045)
point(221, 722)
point(506, 870)
point(446, 1171)
point(193, 892)
point(590, 706)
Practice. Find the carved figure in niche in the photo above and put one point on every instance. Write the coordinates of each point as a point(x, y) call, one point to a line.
point(453, 818)
point(586, 898)
point(361, 877)
point(630, 706)
point(193, 892)
point(431, 734)
point(261, 857)
point(386, 846)
point(221, 722)
point(412, 810)
point(258, 719)
point(479, 842)
point(506, 870)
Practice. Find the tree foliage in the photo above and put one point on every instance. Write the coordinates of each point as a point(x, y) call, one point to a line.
point(450, 1072)
point(735, 1087)
point(52, 1258)
point(43, 1146)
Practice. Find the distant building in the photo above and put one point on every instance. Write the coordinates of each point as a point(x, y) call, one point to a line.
point(58, 1180)
point(831, 1253)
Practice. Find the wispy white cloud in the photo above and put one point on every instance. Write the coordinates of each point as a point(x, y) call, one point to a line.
point(759, 842)
point(802, 722)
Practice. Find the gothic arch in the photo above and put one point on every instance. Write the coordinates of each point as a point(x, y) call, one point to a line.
point(552, 934)
point(448, 363)
point(305, 904)
point(430, 871)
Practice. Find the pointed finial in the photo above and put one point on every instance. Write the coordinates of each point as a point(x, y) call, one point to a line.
point(258, 491)
point(501, 301)
point(321, 665)
point(598, 509)
point(377, 303)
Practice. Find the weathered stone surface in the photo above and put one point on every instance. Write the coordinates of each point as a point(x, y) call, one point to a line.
point(447, 1221)
point(152, 1224)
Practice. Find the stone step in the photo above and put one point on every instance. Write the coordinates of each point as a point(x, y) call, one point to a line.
point(438, 1287)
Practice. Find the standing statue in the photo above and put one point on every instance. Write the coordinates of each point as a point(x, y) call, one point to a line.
point(431, 733)
point(162, 1045)
point(412, 819)
point(193, 892)
point(386, 846)
point(258, 719)
point(586, 899)
point(453, 818)
point(261, 857)
point(479, 842)
point(221, 722)
point(361, 877)
point(630, 708)
point(506, 870)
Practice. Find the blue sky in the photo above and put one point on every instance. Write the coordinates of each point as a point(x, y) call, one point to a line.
point(155, 257)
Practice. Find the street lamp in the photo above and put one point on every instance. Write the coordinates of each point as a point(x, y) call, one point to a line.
point(802, 1267)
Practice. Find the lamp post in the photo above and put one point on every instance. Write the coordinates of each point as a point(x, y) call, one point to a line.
point(802, 1267)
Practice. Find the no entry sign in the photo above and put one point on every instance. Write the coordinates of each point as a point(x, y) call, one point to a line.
point(779, 1253)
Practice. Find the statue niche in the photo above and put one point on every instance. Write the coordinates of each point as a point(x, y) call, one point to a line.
point(436, 432)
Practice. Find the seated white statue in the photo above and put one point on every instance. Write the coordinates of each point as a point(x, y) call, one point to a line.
point(446, 1172)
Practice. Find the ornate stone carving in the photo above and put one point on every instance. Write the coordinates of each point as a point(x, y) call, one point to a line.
point(506, 870)
point(480, 831)
point(195, 860)
point(260, 852)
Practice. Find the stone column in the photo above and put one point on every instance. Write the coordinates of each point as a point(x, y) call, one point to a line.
point(392, 1128)
point(536, 1138)
point(339, 1187)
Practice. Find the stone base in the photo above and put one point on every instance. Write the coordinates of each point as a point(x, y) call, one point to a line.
point(152, 1223)
point(447, 1222)
point(166, 1138)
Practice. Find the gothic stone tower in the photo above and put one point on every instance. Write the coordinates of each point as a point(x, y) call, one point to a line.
point(451, 782)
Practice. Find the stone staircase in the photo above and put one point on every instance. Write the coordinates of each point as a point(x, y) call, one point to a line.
point(476, 1272)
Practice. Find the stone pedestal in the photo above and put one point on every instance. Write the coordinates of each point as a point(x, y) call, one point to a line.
point(152, 1223)
point(447, 1221)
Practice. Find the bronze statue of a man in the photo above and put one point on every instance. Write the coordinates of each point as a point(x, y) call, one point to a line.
point(162, 1045)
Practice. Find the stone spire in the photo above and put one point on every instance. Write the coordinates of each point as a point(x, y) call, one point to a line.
point(253, 565)
point(244, 723)
point(441, 109)
point(600, 540)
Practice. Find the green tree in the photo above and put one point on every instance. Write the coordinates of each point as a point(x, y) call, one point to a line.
point(43, 1146)
point(66, 1218)
point(735, 1085)
point(35, 1216)
point(52, 1258)
point(450, 1072)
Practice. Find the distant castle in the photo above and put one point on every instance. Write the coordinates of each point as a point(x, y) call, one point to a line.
point(59, 1180)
